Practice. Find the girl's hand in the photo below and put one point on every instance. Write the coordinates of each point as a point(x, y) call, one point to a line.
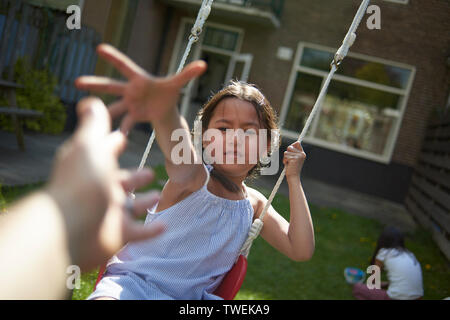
point(293, 159)
point(144, 97)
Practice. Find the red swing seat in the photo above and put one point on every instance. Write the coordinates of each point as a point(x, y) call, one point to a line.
point(232, 282)
point(228, 288)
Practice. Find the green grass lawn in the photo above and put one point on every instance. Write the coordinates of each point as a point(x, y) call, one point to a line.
point(342, 240)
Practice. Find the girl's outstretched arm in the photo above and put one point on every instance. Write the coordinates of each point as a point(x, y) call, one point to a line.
point(148, 98)
point(295, 238)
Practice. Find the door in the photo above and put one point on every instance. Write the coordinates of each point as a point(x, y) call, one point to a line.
point(239, 67)
point(221, 69)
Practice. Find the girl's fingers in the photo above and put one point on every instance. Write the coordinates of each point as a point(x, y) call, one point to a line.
point(101, 84)
point(117, 108)
point(295, 154)
point(295, 146)
point(191, 71)
point(298, 145)
point(291, 149)
point(127, 124)
point(121, 62)
point(132, 180)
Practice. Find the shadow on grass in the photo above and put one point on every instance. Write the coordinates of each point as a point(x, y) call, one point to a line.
point(342, 240)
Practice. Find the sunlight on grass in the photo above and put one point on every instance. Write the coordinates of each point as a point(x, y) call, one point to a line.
point(244, 294)
point(86, 287)
point(342, 240)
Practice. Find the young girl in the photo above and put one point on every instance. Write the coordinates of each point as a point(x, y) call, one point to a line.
point(207, 209)
point(403, 270)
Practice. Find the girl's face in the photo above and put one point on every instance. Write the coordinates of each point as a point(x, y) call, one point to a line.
point(237, 124)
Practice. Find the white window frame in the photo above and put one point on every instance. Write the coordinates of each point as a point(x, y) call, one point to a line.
point(404, 96)
point(179, 40)
point(398, 1)
point(196, 51)
point(61, 6)
point(81, 5)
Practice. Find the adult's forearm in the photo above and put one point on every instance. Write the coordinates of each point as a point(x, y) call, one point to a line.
point(34, 252)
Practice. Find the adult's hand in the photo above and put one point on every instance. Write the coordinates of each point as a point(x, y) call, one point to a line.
point(78, 218)
point(91, 190)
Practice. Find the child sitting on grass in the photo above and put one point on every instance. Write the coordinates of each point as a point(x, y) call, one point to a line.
point(403, 270)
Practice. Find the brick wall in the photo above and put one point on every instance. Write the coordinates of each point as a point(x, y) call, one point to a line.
point(146, 34)
point(95, 14)
point(416, 34)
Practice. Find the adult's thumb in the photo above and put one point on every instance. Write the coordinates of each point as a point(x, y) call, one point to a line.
point(93, 117)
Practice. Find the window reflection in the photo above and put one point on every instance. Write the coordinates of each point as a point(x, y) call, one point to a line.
point(357, 115)
point(307, 88)
point(357, 68)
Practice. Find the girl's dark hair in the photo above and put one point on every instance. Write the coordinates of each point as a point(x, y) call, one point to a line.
point(266, 116)
point(390, 238)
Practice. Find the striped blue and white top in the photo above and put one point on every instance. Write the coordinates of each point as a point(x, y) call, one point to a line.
point(204, 234)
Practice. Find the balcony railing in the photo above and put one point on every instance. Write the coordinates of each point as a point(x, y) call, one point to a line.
point(267, 12)
point(274, 6)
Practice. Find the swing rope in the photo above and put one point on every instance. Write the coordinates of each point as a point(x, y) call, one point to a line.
point(233, 280)
point(196, 30)
point(341, 53)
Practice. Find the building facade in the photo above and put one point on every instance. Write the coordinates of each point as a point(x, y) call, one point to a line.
point(369, 133)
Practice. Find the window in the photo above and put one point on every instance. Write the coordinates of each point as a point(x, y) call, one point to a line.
point(398, 1)
point(362, 112)
point(213, 36)
point(56, 4)
point(220, 38)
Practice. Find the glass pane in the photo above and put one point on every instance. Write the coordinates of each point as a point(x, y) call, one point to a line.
point(305, 93)
point(370, 97)
point(213, 79)
point(357, 68)
point(316, 59)
point(357, 117)
point(238, 70)
point(219, 38)
point(375, 72)
point(54, 4)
